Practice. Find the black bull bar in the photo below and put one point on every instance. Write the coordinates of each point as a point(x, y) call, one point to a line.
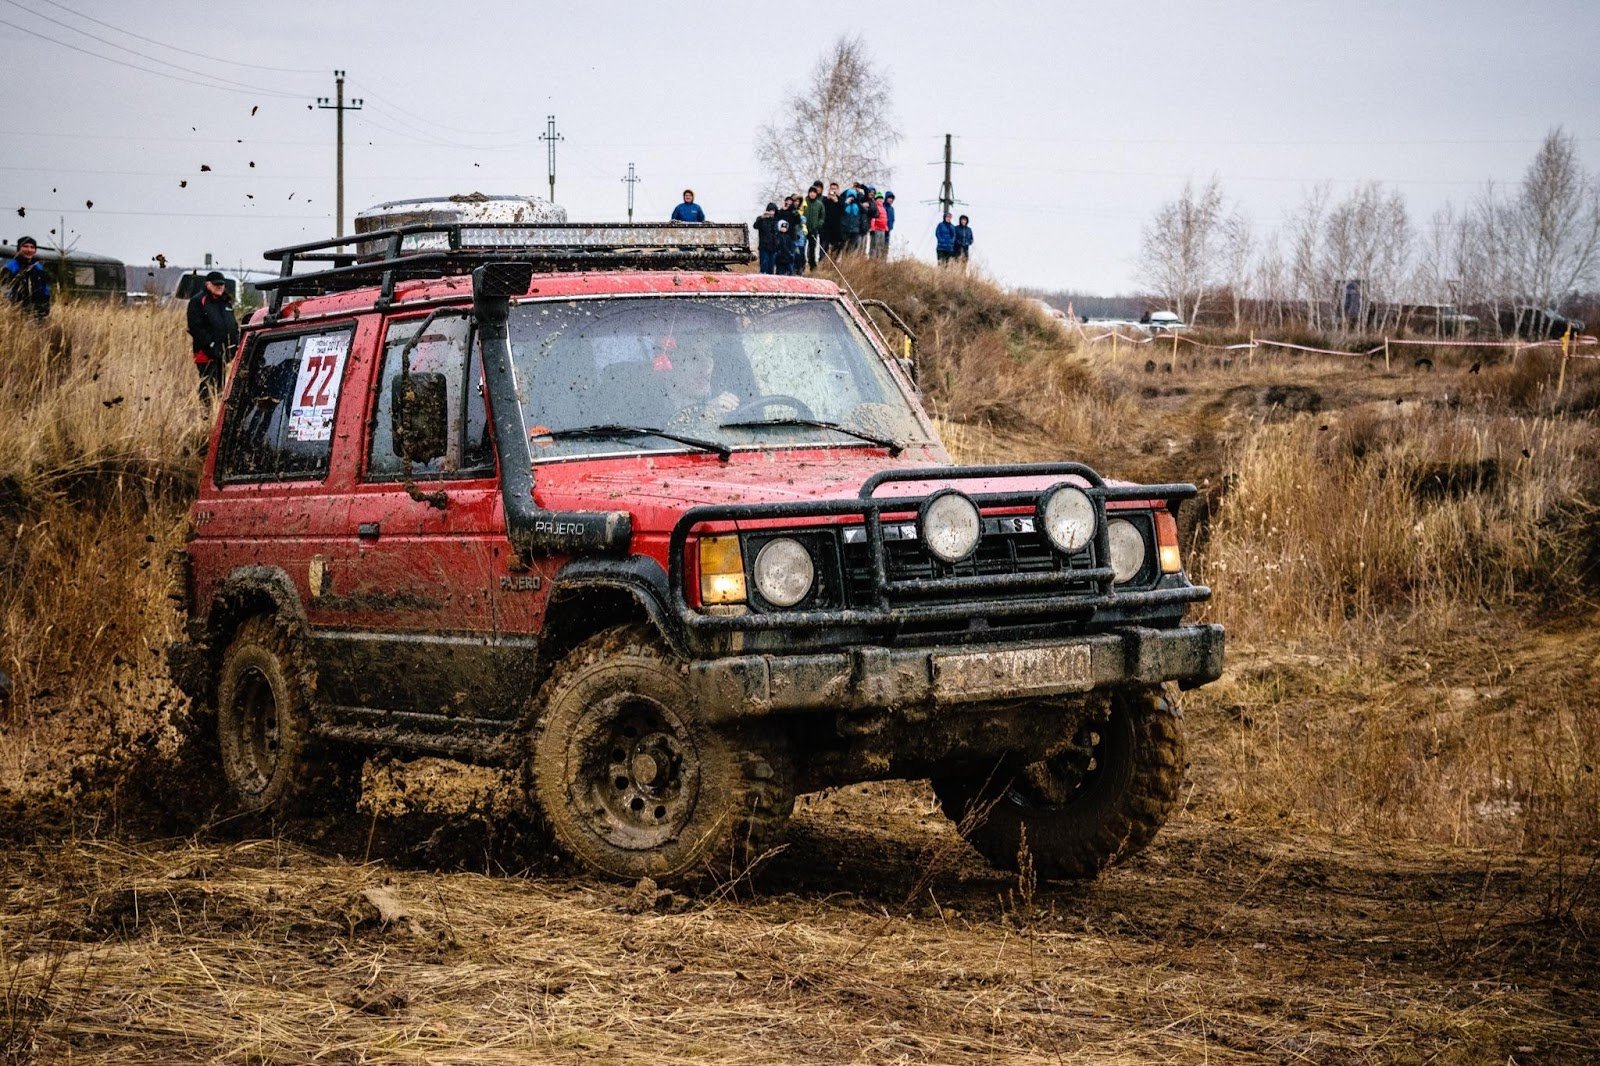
point(992, 595)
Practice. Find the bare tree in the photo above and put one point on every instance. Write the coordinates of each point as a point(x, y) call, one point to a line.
point(1180, 248)
point(1367, 244)
point(1554, 223)
point(838, 126)
point(1305, 240)
point(1273, 282)
point(1238, 242)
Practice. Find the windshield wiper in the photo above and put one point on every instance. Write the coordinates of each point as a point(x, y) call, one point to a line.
point(894, 446)
point(612, 429)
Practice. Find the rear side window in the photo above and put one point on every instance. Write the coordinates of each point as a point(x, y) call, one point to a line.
point(445, 349)
point(281, 410)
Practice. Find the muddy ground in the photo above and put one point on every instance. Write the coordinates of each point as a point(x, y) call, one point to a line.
point(423, 930)
point(875, 935)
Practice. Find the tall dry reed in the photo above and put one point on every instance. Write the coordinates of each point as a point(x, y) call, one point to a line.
point(1383, 511)
point(100, 434)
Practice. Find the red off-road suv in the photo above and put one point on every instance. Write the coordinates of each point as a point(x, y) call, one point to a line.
point(677, 541)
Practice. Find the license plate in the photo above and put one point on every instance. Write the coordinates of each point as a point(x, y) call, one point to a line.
point(965, 677)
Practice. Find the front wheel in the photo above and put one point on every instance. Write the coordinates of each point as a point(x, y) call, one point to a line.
point(633, 784)
point(1094, 804)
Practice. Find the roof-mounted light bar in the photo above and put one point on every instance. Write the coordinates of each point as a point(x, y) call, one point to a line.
point(443, 249)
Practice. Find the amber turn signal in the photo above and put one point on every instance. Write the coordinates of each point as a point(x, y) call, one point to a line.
point(721, 570)
point(1167, 543)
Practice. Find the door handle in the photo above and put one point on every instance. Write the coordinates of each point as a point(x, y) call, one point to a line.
point(367, 531)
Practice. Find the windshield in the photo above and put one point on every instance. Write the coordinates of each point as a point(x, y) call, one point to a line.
point(739, 371)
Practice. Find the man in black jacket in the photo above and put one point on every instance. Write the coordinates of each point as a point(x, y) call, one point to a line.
point(215, 332)
point(766, 227)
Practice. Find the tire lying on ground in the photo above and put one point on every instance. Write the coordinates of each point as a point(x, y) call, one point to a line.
point(1090, 807)
point(633, 784)
point(271, 763)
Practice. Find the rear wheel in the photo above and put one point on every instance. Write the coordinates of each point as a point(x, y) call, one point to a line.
point(1092, 805)
point(270, 761)
point(633, 784)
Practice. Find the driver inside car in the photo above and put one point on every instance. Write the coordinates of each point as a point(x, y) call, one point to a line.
point(691, 390)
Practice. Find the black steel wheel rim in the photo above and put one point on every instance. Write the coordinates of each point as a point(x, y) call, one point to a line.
point(634, 771)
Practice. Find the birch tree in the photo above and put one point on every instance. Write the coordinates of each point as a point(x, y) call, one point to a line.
point(1554, 224)
point(838, 126)
point(1180, 247)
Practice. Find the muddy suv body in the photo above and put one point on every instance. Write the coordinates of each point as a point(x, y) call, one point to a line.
point(678, 542)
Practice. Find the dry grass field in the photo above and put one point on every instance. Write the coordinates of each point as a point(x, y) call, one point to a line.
point(1386, 850)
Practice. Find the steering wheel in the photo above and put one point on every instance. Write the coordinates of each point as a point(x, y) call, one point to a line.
point(751, 408)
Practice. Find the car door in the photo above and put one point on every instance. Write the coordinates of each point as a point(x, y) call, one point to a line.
point(408, 616)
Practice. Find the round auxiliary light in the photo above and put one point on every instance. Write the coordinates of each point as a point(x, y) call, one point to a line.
point(1066, 515)
point(950, 526)
point(1127, 549)
point(784, 572)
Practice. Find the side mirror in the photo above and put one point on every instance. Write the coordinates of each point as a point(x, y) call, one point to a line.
point(909, 365)
point(420, 417)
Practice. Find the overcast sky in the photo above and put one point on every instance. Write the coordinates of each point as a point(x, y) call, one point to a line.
point(1072, 121)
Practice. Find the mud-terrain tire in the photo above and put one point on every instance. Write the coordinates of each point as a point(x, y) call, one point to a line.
point(271, 764)
point(1076, 831)
point(632, 783)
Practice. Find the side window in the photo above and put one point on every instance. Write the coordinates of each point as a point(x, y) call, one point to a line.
point(445, 349)
point(281, 411)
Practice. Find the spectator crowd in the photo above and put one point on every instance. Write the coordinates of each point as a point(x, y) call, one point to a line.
point(793, 237)
point(829, 221)
point(826, 221)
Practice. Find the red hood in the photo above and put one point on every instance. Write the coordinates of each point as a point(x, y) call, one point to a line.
point(657, 490)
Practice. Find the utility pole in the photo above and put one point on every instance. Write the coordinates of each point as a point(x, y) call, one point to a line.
point(550, 137)
point(632, 179)
point(947, 191)
point(339, 106)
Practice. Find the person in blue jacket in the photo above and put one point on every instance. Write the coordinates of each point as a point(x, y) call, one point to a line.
point(888, 214)
point(963, 239)
point(26, 281)
point(851, 228)
point(944, 240)
point(688, 211)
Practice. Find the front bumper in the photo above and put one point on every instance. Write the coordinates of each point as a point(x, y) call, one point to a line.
point(875, 678)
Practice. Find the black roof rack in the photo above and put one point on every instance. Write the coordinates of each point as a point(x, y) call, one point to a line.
point(442, 249)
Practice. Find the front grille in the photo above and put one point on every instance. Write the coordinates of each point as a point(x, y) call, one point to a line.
point(1002, 551)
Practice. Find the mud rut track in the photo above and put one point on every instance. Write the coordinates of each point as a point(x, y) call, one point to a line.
point(874, 935)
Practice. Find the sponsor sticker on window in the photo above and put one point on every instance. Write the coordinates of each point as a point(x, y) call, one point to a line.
point(316, 390)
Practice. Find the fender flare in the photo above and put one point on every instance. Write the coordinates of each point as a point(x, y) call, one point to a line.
point(638, 576)
point(248, 582)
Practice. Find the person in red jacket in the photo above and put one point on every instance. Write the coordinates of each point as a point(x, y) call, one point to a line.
point(878, 230)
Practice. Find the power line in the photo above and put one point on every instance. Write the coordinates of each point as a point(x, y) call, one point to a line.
point(1090, 141)
point(141, 55)
point(174, 214)
point(175, 48)
point(1093, 172)
point(143, 70)
point(392, 106)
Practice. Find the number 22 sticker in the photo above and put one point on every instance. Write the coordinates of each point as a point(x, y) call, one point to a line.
point(316, 388)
